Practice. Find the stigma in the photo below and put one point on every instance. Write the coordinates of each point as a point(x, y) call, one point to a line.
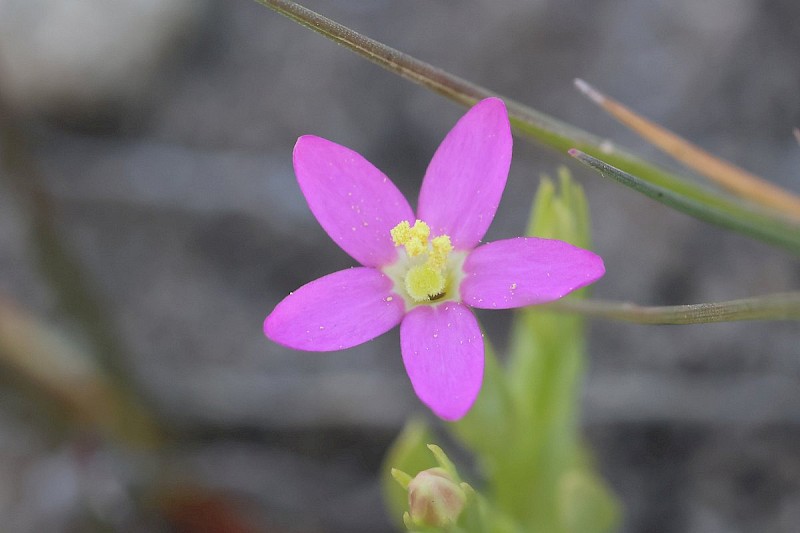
point(426, 278)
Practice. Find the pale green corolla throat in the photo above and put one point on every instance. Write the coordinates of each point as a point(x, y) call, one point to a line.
point(429, 270)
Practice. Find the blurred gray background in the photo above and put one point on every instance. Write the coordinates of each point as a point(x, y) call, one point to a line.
point(162, 131)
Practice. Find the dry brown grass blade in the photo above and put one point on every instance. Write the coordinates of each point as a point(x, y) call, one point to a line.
point(69, 380)
point(736, 180)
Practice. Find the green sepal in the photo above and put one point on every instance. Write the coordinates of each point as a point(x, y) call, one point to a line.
point(407, 455)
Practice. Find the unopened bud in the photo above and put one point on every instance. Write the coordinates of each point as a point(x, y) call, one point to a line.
point(435, 499)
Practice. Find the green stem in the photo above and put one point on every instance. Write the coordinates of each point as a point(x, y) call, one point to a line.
point(780, 306)
point(539, 126)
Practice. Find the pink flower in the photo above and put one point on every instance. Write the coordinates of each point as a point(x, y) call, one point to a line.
point(425, 271)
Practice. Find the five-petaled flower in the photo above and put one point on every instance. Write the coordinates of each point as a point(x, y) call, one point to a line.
point(425, 271)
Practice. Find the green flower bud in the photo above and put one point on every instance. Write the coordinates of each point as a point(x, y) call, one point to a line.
point(435, 499)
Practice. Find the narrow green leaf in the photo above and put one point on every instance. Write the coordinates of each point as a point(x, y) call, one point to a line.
point(728, 214)
point(403, 478)
point(487, 428)
point(585, 503)
point(781, 306)
point(528, 122)
point(544, 373)
point(739, 182)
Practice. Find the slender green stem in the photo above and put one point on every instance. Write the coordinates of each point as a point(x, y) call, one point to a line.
point(393, 60)
point(780, 306)
point(529, 122)
point(541, 127)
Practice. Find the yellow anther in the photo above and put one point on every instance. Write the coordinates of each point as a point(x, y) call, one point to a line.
point(415, 239)
point(424, 282)
point(400, 233)
point(426, 265)
point(440, 248)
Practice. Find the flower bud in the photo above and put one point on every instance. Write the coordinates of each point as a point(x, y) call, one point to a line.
point(435, 499)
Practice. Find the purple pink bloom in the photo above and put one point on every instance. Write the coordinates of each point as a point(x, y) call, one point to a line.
point(423, 271)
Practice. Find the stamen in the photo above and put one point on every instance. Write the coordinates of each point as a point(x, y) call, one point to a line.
point(415, 239)
point(441, 247)
point(400, 233)
point(426, 277)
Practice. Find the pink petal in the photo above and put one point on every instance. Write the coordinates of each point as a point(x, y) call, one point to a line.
point(526, 271)
point(336, 311)
point(467, 175)
point(443, 352)
point(353, 201)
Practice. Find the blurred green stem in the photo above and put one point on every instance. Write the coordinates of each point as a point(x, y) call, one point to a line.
point(55, 262)
point(68, 281)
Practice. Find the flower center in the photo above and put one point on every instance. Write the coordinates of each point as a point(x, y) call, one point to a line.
point(426, 278)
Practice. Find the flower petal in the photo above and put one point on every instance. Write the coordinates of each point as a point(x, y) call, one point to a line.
point(336, 311)
point(526, 271)
point(443, 352)
point(467, 175)
point(355, 203)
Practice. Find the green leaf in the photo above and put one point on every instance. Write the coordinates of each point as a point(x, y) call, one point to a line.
point(544, 374)
point(487, 427)
point(729, 214)
point(585, 503)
